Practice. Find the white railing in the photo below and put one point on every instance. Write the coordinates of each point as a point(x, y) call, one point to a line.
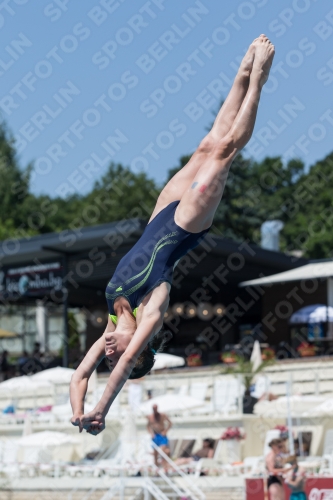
point(148, 486)
point(173, 485)
point(198, 495)
point(154, 489)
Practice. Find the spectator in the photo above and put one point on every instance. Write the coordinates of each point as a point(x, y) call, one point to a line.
point(295, 479)
point(207, 451)
point(5, 367)
point(22, 363)
point(37, 363)
point(158, 427)
point(36, 352)
point(275, 468)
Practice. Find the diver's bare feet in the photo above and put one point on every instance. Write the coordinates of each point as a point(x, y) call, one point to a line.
point(245, 67)
point(263, 58)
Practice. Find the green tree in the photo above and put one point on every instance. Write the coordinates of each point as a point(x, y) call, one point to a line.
point(254, 192)
point(310, 211)
point(14, 185)
point(244, 368)
point(121, 194)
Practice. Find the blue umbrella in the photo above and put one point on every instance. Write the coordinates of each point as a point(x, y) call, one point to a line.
point(316, 313)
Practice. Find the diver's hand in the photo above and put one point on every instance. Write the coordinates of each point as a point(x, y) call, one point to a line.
point(93, 422)
point(76, 420)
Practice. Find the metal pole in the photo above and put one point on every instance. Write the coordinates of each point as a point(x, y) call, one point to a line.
point(327, 302)
point(317, 384)
point(290, 424)
point(240, 395)
point(24, 327)
point(146, 492)
point(300, 439)
point(122, 485)
point(65, 316)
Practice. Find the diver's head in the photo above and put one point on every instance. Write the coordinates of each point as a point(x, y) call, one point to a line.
point(115, 345)
point(146, 359)
point(117, 342)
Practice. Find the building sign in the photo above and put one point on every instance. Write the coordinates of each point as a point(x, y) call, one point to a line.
point(31, 281)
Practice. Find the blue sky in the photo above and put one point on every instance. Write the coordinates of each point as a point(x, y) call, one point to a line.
point(138, 82)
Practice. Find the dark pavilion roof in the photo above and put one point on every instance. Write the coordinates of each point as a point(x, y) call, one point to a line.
point(101, 247)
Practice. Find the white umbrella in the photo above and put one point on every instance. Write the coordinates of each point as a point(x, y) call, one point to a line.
point(321, 410)
point(279, 407)
point(45, 447)
point(316, 313)
point(24, 384)
point(164, 360)
point(27, 427)
point(93, 386)
point(128, 439)
point(170, 402)
point(256, 359)
point(65, 411)
point(46, 439)
point(58, 375)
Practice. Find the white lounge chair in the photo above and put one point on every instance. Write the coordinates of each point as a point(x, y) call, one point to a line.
point(226, 393)
point(198, 390)
point(328, 443)
point(262, 386)
point(207, 466)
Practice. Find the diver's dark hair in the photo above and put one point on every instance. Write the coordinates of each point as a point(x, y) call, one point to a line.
point(146, 359)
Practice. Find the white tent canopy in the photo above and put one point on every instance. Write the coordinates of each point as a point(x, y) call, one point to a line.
point(64, 412)
point(46, 439)
point(307, 272)
point(170, 403)
point(315, 313)
point(164, 360)
point(279, 407)
point(23, 384)
point(45, 447)
point(58, 375)
point(321, 410)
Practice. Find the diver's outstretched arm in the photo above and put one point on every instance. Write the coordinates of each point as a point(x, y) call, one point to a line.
point(94, 421)
point(79, 381)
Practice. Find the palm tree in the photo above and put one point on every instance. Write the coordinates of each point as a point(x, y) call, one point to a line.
point(244, 368)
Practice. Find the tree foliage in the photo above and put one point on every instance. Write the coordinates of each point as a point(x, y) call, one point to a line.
point(255, 192)
point(244, 367)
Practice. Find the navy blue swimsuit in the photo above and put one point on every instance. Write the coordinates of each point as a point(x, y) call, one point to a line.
point(151, 260)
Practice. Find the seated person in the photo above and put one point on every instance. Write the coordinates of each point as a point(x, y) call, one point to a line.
point(207, 451)
point(295, 479)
